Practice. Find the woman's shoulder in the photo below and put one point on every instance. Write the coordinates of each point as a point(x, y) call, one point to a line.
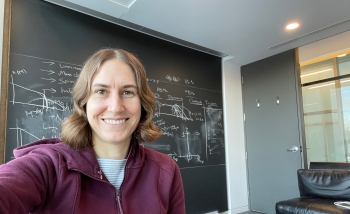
point(56, 152)
point(41, 146)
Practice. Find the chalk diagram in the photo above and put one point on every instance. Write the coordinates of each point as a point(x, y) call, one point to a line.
point(184, 140)
point(215, 130)
point(185, 147)
point(196, 131)
point(214, 139)
point(37, 108)
point(175, 110)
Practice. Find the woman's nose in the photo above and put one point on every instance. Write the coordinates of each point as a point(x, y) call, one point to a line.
point(115, 104)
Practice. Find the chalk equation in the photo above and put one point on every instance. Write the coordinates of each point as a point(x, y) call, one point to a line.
point(39, 100)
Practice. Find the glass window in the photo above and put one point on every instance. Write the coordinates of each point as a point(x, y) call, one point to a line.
point(344, 64)
point(326, 108)
point(317, 71)
point(323, 122)
point(345, 100)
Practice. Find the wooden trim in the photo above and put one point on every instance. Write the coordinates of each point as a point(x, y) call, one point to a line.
point(4, 78)
point(320, 112)
point(299, 100)
point(321, 124)
point(325, 57)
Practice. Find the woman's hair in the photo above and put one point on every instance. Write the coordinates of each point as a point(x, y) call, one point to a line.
point(76, 130)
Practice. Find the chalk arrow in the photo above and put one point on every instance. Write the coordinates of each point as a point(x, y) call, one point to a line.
point(51, 89)
point(51, 79)
point(50, 63)
point(50, 71)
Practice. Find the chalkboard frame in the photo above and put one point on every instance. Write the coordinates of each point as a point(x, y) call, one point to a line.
point(4, 77)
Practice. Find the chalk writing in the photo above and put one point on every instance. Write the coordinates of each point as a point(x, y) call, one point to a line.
point(66, 90)
point(189, 82)
point(210, 104)
point(19, 72)
point(65, 81)
point(188, 92)
point(174, 98)
point(70, 67)
point(173, 78)
point(153, 80)
point(162, 90)
point(194, 101)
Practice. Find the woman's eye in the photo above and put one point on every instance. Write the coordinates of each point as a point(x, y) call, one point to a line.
point(128, 93)
point(100, 92)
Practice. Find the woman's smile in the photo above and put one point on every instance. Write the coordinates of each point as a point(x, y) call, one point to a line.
point(114, 122)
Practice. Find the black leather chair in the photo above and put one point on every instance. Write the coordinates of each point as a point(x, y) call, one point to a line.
point(329, 165)
point(319, 189)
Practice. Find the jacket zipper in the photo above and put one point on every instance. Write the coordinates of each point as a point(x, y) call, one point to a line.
point(118, 190)
point(119, 204)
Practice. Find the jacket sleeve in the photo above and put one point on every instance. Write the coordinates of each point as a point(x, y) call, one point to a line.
point(24, 183)
point(177, 199)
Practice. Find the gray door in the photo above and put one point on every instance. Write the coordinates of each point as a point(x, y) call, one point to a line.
point(272, 126)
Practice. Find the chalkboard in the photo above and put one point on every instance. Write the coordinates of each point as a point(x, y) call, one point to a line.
point(48, 46)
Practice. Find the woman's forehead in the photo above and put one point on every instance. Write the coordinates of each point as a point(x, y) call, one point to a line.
point(114, 73)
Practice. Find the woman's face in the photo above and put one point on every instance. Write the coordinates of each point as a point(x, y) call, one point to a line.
point(113, 107)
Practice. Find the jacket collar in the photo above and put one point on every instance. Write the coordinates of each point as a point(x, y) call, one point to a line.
point(83, 160)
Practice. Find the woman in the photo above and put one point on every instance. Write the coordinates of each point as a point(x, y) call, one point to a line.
point(98, 165)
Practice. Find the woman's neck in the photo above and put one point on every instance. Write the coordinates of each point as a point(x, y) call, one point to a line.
point(111, 151)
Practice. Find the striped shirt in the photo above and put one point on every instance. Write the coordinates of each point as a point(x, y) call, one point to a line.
point(113, 170)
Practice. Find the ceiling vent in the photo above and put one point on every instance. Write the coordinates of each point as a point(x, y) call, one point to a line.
point(309, 34)
point(125, 3)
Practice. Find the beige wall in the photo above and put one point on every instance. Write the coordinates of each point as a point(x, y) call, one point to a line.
point(234, 138)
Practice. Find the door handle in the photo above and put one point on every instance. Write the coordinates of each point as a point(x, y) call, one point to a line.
point(293, 149)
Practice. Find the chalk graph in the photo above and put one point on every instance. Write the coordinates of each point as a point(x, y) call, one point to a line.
point(36, 105)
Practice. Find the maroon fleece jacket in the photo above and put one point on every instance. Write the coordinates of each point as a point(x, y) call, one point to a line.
point(47, 176)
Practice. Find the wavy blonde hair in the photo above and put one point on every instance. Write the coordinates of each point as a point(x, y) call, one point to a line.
point(76, 130)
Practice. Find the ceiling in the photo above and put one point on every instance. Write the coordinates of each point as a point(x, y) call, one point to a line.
point(241, 31)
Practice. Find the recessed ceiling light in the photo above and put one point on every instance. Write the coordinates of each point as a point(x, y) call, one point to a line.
point(292, 26)
point(341, 55)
